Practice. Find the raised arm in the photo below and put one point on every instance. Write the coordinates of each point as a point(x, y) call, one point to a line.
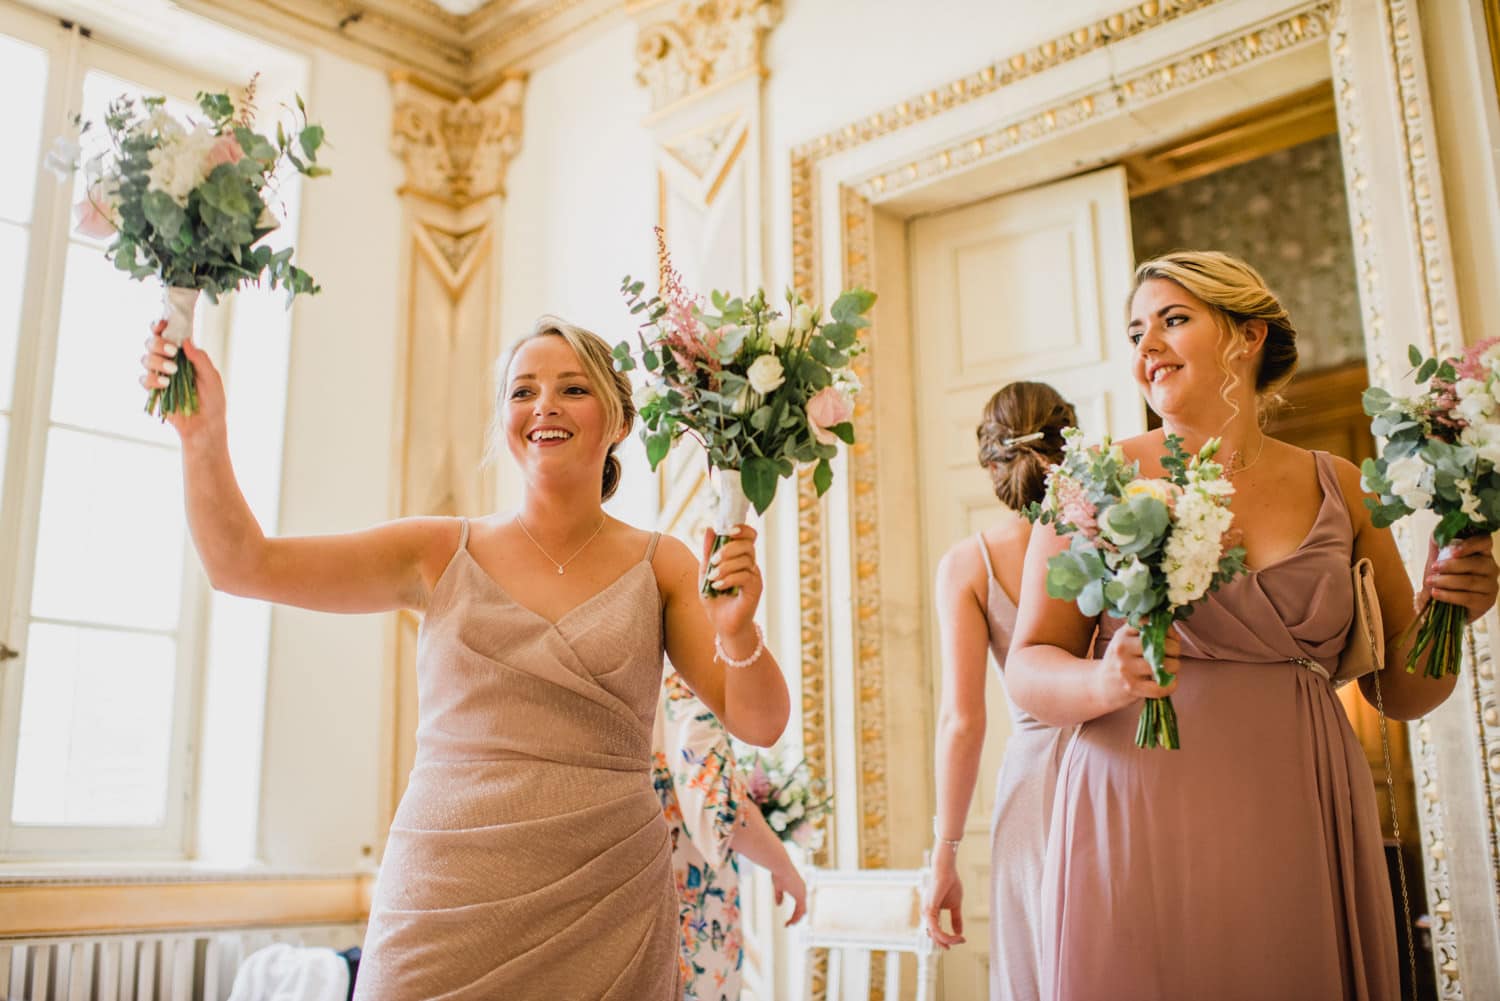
point(752, 701)
point(387, 567)
point(1050, 671)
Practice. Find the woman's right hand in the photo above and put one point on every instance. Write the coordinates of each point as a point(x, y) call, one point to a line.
point(161, 360)
point(1125, 675)
point(945, 892)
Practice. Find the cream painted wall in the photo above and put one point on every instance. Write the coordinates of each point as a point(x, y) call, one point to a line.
point(580, 207)
point(321, 769)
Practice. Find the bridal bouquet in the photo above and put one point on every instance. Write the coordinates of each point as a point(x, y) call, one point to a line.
point(788, 799)
point(762, 391)
point(1143, 550)
point(189, 203)
point(1440, 454)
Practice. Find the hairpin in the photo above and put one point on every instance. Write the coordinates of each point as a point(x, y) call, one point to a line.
point(1023, 439)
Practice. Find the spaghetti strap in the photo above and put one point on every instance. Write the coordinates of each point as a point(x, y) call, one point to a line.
point(651, 546)
point(463, 533)
point(989, 568)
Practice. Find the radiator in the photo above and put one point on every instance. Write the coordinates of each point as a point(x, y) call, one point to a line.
point(167, 966)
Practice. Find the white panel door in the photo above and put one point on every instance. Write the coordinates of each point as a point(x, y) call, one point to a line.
point(1028, 286)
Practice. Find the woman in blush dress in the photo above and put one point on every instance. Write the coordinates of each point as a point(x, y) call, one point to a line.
point(1248, 864)
point(528, 857)
point(977, 583)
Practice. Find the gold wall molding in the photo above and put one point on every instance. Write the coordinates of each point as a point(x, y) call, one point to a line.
point(456, 150)
point(466, 54)
point(703, 45)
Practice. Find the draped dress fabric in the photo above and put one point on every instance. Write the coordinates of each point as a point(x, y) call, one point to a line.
point(1018, 834)
point(1248, 864)
point(529, 857)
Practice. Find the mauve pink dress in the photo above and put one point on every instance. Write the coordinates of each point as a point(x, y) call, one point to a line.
point(1018, 832)
point(529, 858)
point(1248, 864)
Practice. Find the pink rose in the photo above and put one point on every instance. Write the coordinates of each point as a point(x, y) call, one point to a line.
point(95, 215)
point(226, 149)
point(828, 408)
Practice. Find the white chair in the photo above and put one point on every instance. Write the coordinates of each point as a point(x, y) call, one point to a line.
point(855, 912)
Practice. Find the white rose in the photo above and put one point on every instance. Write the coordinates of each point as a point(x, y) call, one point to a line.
point(796, 811)
point(802, 319)
point(778, 821)
point(177, 165)
point(785, 798)
point(766, 374)
point(779, 331)
point(1411, 480)
point(646, 394)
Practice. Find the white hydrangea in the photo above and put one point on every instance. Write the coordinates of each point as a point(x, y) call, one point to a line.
point(179, 164)
point(1476, 404)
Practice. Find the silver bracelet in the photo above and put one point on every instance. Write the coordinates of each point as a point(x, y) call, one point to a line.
point(953, 843)
point(728, 661)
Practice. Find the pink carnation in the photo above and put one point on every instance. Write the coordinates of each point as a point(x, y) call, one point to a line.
point(226, 149)
point(828, 408)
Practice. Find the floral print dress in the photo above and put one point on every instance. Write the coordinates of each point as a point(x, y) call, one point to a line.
point(701, 794)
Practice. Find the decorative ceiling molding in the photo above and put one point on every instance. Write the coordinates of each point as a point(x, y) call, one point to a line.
point(700, 46)
point(456, 150)
point(463, 55)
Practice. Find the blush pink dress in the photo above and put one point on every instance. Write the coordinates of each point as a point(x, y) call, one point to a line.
point(529, 857)
point(1249, 864)
point(1018, 835)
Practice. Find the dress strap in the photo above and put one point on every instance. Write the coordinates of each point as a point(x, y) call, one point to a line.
point(651, 546)
point(989, 568)
point(463, 533)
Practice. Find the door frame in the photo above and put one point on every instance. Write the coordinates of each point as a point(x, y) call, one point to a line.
point(1128, 81)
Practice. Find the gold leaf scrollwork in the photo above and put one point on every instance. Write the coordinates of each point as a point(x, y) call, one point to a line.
point(456, 150)
point(706, 42)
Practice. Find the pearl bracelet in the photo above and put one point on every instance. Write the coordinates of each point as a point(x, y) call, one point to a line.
point(953, 843)
point(728, 661)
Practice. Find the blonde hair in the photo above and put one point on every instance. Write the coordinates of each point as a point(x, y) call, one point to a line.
point(613, 387)
point(1237, 294)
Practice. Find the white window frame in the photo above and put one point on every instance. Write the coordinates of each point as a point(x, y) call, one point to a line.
point(71, 55)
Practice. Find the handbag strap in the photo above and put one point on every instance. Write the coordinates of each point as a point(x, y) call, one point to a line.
point(1390, 792)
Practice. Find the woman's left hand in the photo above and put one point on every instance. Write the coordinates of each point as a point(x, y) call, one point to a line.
point(732, 615)
point(1464, 573)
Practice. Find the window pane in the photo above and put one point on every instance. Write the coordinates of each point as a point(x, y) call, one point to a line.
point(106, 318)
point(110, 545)
point(96, 725)
point(12, 278)
point(23, 78)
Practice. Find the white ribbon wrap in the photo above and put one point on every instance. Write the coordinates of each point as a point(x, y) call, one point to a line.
point(177, 305)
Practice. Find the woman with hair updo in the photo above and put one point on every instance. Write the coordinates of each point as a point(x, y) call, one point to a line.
point(1249, 864)
point(978, 581)
point(529, 857)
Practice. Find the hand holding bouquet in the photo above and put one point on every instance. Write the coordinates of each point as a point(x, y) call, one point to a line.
point(189, 203)
point(1440, 454)
point(760, 390)
point(1143, 550)
point(788, 799)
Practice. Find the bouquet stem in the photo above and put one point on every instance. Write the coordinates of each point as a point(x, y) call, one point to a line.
point(1440, 629)
point(180, 395)
point(730, 508)
point(1158, 723)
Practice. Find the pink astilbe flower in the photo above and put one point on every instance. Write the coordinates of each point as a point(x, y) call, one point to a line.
point(1470, 366)
point(690, 342)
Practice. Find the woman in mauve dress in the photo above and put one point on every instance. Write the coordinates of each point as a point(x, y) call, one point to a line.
point(977, 583)
point(529, 857)
point(1248, 864)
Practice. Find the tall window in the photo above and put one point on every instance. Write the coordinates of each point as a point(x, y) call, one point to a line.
point(103, 609)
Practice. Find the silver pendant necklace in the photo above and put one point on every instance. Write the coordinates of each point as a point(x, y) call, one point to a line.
point(570, 559)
